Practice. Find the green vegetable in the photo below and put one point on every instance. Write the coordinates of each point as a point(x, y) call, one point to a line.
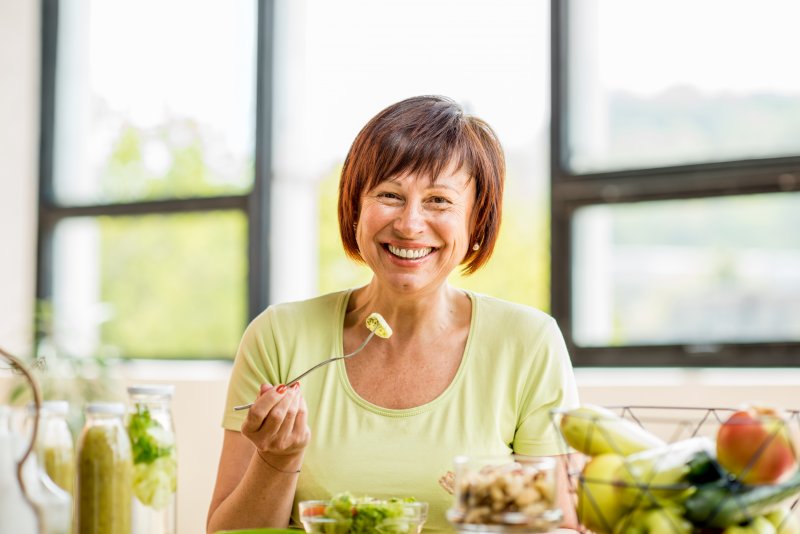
point(365, 516)
point(722, 503)
point(154, 458)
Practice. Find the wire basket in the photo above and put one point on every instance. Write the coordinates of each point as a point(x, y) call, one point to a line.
point(674, 484)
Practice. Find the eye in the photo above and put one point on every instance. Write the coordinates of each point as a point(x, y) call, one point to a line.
point(440, 200)
point(388, 194)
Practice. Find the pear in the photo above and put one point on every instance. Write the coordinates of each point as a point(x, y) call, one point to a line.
point(600, 506)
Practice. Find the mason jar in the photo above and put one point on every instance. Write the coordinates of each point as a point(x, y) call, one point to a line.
point(155, 467)
point(55, 445)
point(104, 472)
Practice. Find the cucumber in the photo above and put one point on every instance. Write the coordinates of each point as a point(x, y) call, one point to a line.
point(724, 503)
point(594, 430)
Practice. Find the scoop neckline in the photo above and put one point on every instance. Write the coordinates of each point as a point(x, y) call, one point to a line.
point(402, 412)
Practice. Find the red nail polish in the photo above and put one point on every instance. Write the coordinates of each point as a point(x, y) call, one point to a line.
point(281, 389)
point(296, 385)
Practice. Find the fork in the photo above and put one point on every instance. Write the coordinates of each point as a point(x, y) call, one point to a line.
point(375, 323)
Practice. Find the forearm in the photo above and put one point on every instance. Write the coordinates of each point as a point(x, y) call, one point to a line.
point(263, 498)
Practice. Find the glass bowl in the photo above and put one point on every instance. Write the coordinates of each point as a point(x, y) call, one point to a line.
point(363, 515)
point(505, 494)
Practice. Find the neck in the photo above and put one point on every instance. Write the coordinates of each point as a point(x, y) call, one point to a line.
point(410, 315)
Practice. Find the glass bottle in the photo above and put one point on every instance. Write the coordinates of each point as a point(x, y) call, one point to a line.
point(104, 469)
point(155, 466)
point(16, 514)
point(55, 446)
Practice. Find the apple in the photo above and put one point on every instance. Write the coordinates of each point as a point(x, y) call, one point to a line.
point(668, 520)
point(784, 521)
point(599, 504)
point(759, 525)
point(754, 444)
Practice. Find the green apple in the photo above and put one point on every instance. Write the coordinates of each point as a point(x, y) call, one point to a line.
point(784, 521)
point(759, 525)
point(654, 521)
point(599, 504)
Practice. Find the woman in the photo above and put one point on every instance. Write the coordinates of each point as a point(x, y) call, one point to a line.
point(463, 373)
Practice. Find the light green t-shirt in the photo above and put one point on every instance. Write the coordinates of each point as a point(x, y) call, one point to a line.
point(515, 369)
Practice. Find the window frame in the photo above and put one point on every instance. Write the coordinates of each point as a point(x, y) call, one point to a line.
point(255, 204)
point(570, 191)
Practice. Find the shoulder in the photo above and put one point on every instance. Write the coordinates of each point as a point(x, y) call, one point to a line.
point(301, 314)
point(512, 319)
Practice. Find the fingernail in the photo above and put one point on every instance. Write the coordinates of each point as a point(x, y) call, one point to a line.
point(296, 385)
point(281, 389)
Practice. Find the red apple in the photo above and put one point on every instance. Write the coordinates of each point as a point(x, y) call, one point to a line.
point(755, 445)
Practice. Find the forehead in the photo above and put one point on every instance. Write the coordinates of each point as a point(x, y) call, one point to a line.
point(451, 177)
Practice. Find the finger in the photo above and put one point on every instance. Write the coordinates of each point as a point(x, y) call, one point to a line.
point(291, 413)
point(259, 412)
point(301, 429)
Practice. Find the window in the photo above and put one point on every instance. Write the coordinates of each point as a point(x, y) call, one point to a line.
point(155, 145)
point(675, 145)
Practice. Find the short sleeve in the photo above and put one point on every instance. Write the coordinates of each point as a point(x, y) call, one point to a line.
point(254, 365)
point(550, 385)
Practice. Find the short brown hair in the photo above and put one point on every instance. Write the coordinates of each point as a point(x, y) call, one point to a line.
point(423, 135)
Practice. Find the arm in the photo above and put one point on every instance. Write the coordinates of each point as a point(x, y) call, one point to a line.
point(258, 467)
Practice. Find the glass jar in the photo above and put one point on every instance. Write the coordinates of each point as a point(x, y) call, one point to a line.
point(16, 514)
point(155, 465)
point(508, 493)
point(104, 469)
point(54, 444)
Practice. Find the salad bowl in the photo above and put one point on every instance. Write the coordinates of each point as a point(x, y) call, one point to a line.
point(345, 514)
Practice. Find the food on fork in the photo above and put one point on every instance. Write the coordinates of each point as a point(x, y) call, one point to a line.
point(376, 323)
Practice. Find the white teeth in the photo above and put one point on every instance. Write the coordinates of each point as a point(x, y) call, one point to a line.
point(409, 253)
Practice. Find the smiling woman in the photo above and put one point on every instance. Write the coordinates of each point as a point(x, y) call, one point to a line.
point(462, 373)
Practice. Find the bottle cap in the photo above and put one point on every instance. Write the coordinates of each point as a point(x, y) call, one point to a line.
point(165, 390)
point(113, 408)
point(57, 407)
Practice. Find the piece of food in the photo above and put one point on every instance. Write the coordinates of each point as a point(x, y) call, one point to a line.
point(755, 445)
point(595, 430)
point(663, 476)
point(600, 506)
point(722, 504)
point(376, 323)
point(758, 525)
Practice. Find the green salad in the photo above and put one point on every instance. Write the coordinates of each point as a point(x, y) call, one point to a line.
point(366, 515)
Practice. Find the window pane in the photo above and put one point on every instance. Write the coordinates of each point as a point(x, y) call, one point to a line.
point(492, 57)
point(151, 286)
point(154, 99)
point(688, 271)
point(674, 82)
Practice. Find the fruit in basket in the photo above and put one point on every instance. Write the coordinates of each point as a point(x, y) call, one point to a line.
point(664, 476)
point(599, 506)
point(667, 520)
point(754, 444)
point(784, 520)
point(759, 525)
point(722, 504)
point(596, 430)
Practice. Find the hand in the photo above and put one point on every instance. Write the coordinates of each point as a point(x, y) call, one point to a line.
point(276, 423)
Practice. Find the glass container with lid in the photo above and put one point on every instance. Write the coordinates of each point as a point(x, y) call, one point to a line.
point(104, 469)
point(155, 475)
point(55, 446)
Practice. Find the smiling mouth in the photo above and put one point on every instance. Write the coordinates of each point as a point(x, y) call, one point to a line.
point(409, 253)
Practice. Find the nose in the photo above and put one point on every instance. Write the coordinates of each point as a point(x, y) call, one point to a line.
point(410, 222)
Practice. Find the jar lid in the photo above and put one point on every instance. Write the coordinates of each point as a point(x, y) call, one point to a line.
point(57, 407)
point(114, 408)
point(165, 390)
